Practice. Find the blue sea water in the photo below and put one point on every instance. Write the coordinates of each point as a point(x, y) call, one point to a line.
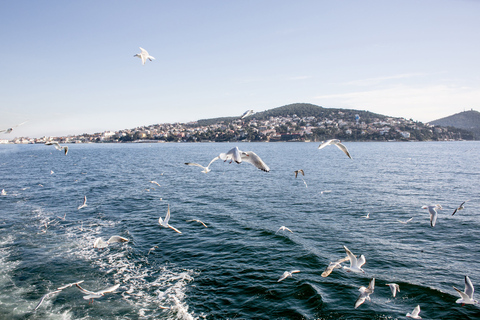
point(230, 269)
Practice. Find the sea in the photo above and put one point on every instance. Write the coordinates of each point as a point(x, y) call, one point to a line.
point(230, 269)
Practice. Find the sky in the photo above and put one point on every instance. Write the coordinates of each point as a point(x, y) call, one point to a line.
point(68, 67)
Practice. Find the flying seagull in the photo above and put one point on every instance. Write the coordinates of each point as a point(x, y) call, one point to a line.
point(3, 193)
point(287, 274)
point(57, 146)
point(299, 171)
point(433, 213)
point(415, 313)
point(367, 216)
point(198, 222)
point(155, 182)
point(334, 265)
point(394, 288)
point(355, 264)
point(205, 169)
point(164, 223)
point(84, 204)
point(365, 293)
point(466, 297)
point(144, 56)
point(337, 143)
point(406, 221)
point(283, 228)
point(461, 207)
point(247, 114)
point(56, 291)
point(11, 129)
point(90, 295)
point(100, 244)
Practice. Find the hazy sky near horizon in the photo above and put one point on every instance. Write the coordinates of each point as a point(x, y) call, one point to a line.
point(68, 67)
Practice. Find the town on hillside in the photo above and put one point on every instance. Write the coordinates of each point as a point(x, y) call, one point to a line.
point(287, 124)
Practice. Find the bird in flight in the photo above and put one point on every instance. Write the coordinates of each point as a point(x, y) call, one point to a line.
point(164, 223)
point(144, 56)
point(337, 143)
point(57, 146)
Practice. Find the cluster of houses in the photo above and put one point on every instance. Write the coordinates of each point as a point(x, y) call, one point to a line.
point(280, 128)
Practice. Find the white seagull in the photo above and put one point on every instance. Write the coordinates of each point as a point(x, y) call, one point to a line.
point(84, 204)
point(433, 213)
point(367, 216)
point(355, 264)
point(466, 297)
point(334, 265)
point(205, 169)
point(365, 293)
point(56, 291)
point(406, 221)
point(11, 129)
point(337, 143)
point(283, 228)
point(144, 55)
point(4, 193)
point(164, 223)
point(155, 182)
point(96, 294)
point(287, 274)
point(196, 220)
point(57, 146)
point(460, 207)
point(100, 244)
point(415, 313)
point(394, 288)
point(247, 114)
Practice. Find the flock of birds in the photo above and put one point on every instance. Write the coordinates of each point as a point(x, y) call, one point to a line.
point(238, 156)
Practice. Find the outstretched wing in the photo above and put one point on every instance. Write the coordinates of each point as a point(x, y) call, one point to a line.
point(252, 158)
point(117, 239)
point(343, 148)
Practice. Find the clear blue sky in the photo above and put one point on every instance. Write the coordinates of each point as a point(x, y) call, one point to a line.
point(68, 67)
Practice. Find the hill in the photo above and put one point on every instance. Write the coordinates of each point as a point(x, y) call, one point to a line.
point(467, 120)
point(301, 110)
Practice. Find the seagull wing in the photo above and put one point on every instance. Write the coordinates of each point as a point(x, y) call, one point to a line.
point(360, 300)
point(343, 148)
point(167, 217)
point(44, 297)
point(108, 290)
point(351, 257)
point(361, 261)
point(329, 269)
point(415, 312)
point(213, 160)
point(195, 164)
point(174, 229)
point(69, 285)
point(284, 276)
point(433, 216)
point(85, 290)
point(324, 144)
point(100, 244)
point(252, 158)
point(468, 287)
point(117, 239)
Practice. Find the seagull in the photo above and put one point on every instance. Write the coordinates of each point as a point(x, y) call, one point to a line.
point(155, 182)
point(51, 172)
point(100, 244)
point(334, 265)
point(11, 129)
point(164, 223)
point(4, 193)
point(205, 169)
point(337, 143)
point(152, 249)
point(325, 191)
point(252, 158)
point(299, 171)
point(433, 213)
point(198, 222)
point(56, 291)
point(367, 216)
point(365, 293)
point(461, 207)
point(394, 288)
point(406, 221)
point(144, 55)
point(466, 297)
point(84, 204)
point(96, 294)
point(355, 265)
point(247, 114)
point(57, 146)
point(283, 228)
point(414, 313)
point(287, 274)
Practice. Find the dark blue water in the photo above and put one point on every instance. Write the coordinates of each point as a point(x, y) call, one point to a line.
point(230, 269)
